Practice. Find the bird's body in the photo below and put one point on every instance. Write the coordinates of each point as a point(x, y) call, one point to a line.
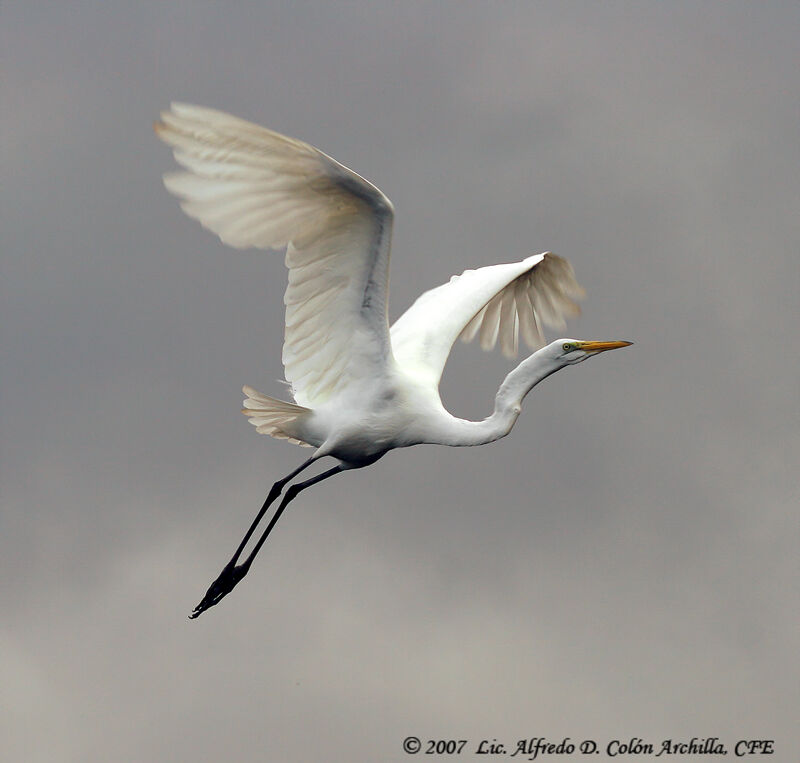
point(367, 421)
point(390, 417)
point(360, 388)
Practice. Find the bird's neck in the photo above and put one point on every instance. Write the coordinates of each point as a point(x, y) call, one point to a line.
point(507, 403)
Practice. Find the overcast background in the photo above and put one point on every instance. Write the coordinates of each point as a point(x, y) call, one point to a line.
point(623, 564)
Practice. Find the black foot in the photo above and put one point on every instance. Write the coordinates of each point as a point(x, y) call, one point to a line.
point(220, 588)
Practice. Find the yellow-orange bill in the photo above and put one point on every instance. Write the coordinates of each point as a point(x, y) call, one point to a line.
point(602, 346)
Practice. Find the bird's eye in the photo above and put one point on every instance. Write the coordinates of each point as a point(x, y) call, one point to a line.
point(567, 347)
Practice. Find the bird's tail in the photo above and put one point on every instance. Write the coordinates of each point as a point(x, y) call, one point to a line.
point(273, 417)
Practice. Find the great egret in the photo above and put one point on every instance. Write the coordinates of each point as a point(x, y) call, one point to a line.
point(360, 388)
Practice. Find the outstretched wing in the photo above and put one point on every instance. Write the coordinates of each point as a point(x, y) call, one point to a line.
point(498, 302)
point(256, 188)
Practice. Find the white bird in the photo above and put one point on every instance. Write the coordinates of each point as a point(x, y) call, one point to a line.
point(360, 387)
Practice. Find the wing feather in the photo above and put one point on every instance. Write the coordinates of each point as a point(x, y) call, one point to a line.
point(509, 326)
point(491, 323)
point(257, 188)
point(496, 304)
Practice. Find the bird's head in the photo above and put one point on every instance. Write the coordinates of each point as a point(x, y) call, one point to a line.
point(571, 351)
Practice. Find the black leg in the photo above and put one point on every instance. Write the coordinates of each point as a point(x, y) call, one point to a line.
point(233, 573)
point(274, 492)
point(227, 578)
point(290, 494)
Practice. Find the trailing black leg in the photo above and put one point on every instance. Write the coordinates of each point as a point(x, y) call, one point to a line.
point(233, 573)
point(290, 495)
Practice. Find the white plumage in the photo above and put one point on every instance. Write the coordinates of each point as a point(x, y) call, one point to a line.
point(498, 302)
point(360, 389)
point(256, 188)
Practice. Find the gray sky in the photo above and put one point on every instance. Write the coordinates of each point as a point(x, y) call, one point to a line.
point(623, 564)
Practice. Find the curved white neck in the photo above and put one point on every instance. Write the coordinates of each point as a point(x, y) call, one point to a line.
point(507, 404)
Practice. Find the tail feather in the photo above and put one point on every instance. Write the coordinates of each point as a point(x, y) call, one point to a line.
point(273, 417)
